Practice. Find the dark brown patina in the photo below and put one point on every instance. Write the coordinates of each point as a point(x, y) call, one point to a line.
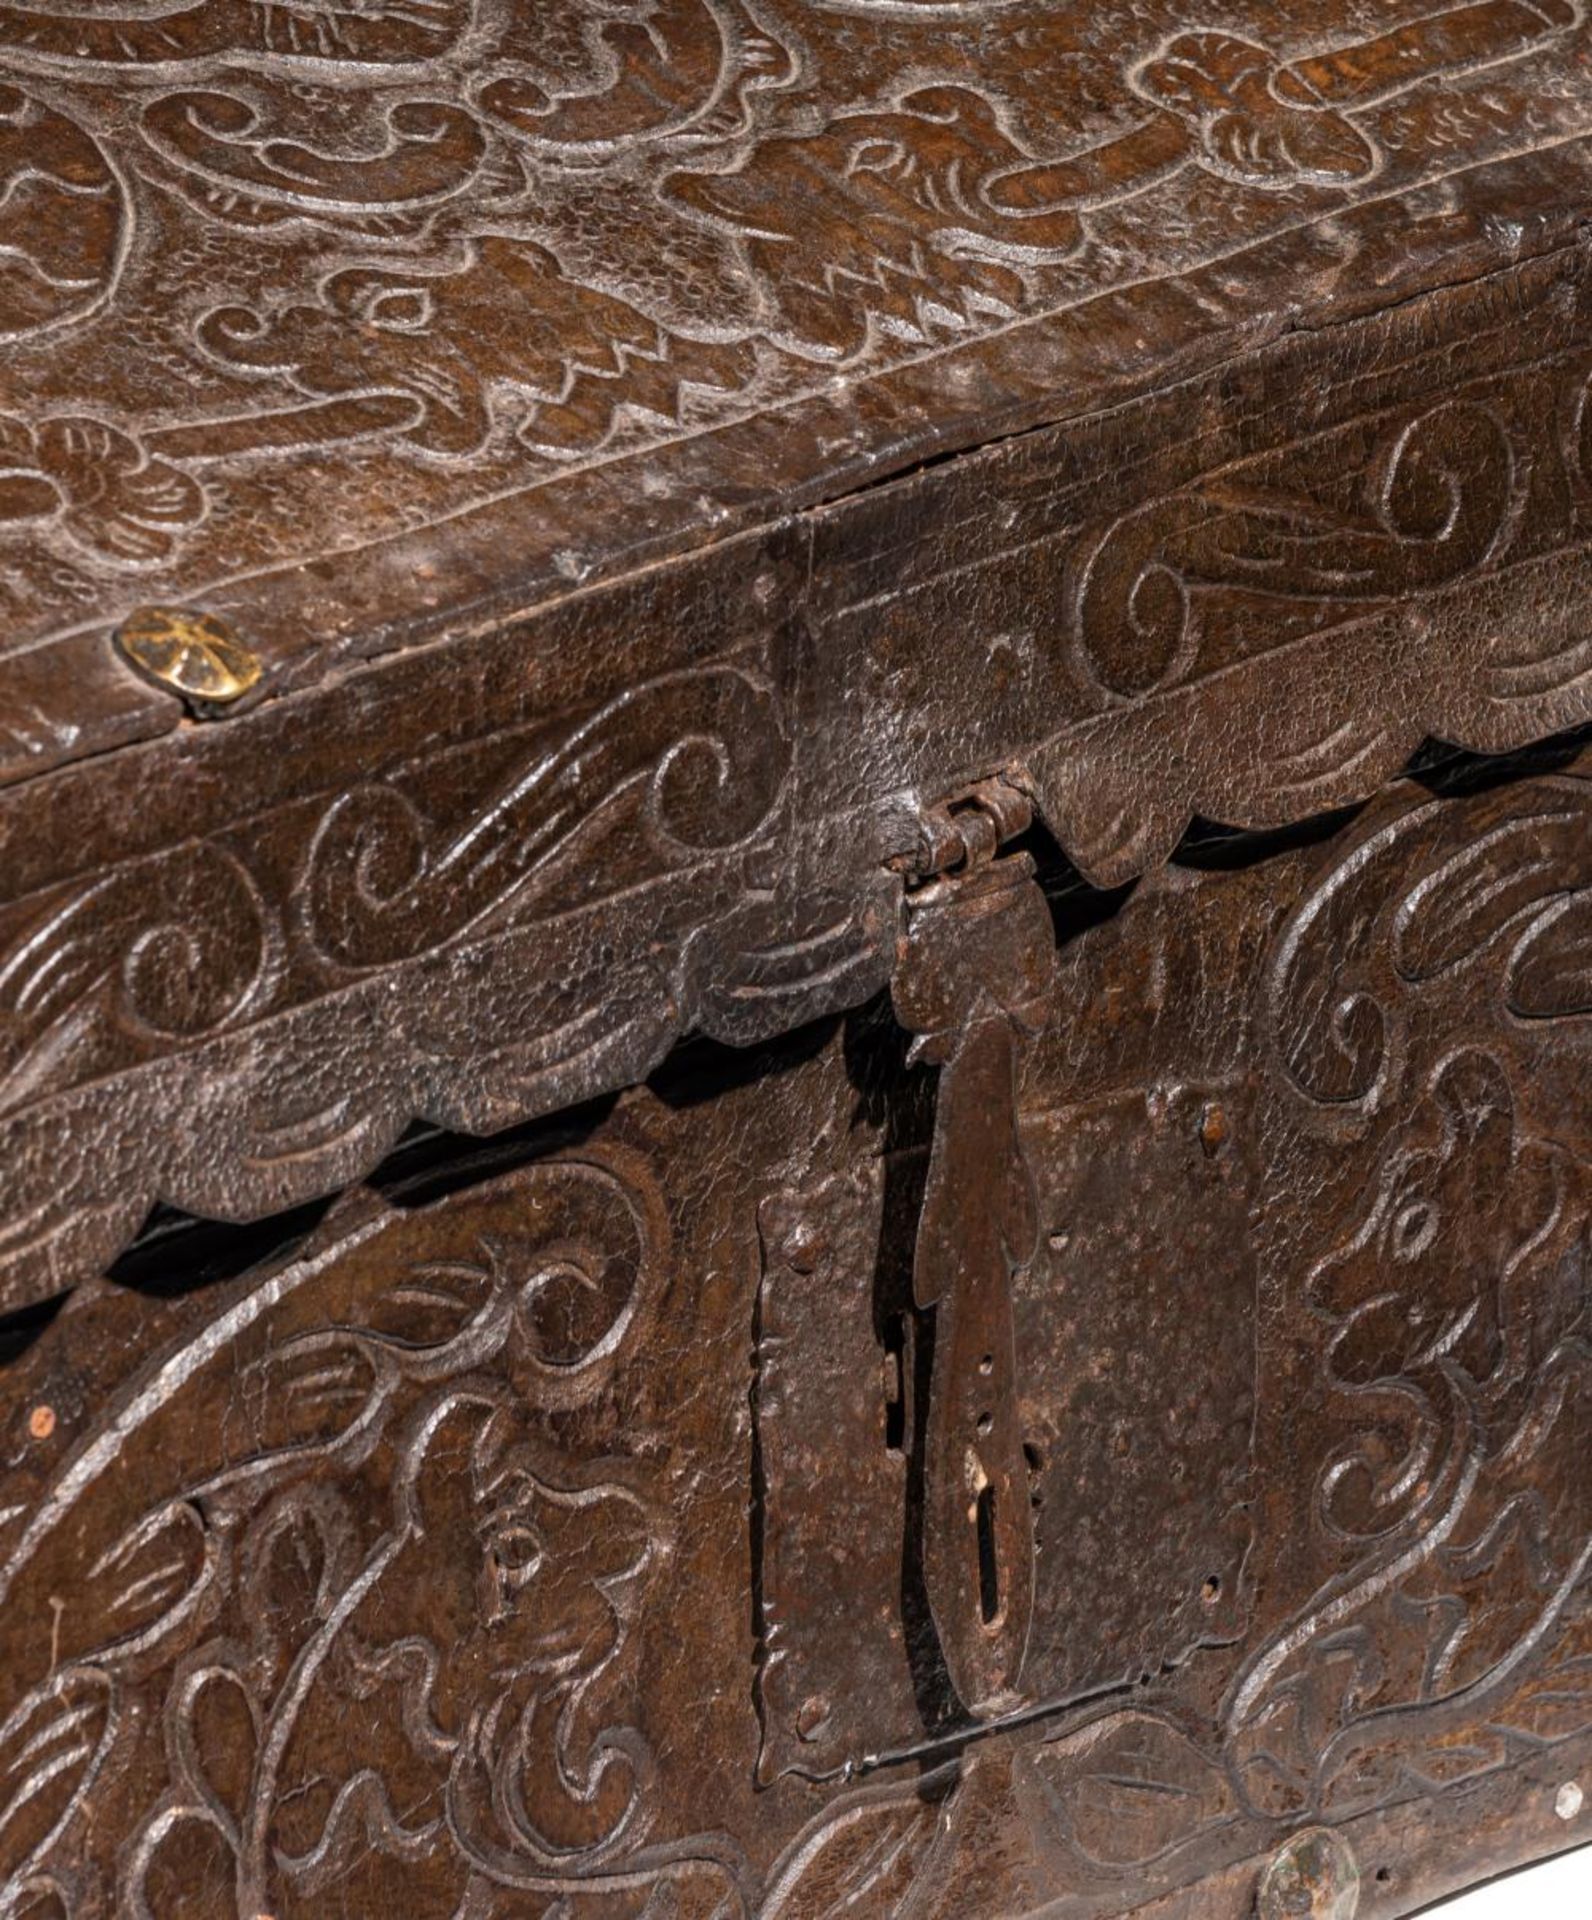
point(795, 1007)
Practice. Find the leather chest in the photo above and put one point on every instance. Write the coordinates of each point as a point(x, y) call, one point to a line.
point(795, 957)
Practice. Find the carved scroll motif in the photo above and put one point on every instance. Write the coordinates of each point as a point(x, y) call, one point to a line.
point(359, 1428)
point(235, 155)
point(411, 1548)
point(702, 750)
point(938, 208)
point(156, 956)
point(1456, 1326)
point(604, 867)
point(65, 223)
point(1439, 495)
point(423, 336)
point(1426, 995)
point(1403, 542)
point(159, 954)
point(1409, 903)
point(588, 86)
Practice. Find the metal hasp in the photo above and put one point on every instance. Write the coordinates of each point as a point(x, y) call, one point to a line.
point(973, 981)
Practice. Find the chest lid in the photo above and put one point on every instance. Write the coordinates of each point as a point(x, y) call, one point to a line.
point(516, 521)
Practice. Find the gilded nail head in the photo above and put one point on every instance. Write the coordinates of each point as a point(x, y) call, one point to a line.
point(41, 1422)
point(196, 655)
point(1313, 1876)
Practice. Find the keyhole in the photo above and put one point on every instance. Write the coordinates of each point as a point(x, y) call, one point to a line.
point(989, 1575)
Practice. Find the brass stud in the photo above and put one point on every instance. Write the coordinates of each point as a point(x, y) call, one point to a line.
point(195, 655)
point(1313, 1876)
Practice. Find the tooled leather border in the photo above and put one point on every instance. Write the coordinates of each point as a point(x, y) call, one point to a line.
point(488, 882)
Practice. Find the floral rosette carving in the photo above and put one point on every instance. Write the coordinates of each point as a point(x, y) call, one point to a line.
point(99, 487)
point(1261, 121)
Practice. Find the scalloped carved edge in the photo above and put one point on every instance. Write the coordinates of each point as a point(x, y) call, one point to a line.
point(1344, 712)
point(486, 972)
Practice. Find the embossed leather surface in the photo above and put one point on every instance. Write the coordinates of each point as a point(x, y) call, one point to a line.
point(365, 322)
point(535, 1537)
point(551, 398)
